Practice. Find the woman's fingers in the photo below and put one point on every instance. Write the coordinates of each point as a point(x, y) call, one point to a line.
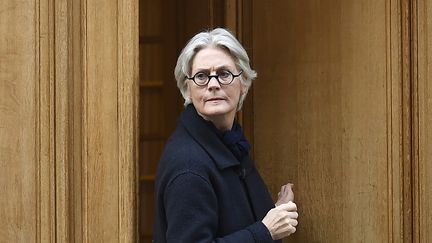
point(285, 194)
point(289, 206)
point(281, 221)
point(293, 222)
point(288, 190)
point(291, 229)
point(292, 215)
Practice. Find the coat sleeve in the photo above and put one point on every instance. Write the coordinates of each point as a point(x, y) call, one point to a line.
point(192, 214)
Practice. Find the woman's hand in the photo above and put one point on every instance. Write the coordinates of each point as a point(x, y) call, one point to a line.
point(281, 220)
point(285, 195)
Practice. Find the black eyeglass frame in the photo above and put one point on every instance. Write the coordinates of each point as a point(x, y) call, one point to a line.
point(209, 77)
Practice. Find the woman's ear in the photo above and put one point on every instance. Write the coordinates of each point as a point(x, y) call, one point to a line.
point(244, 88)
point(187, 93)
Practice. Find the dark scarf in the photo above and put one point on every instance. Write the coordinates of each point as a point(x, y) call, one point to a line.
point(236, 142)
point(234, 139)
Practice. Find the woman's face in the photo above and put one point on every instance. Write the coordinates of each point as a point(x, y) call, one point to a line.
point(214, 102)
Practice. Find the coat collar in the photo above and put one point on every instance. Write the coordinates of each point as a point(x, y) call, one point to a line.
point(202, 133)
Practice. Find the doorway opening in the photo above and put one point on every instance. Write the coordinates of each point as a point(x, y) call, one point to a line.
point(159, 101)
point(164, 29)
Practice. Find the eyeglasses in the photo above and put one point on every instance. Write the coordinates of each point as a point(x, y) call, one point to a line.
point(224, 77)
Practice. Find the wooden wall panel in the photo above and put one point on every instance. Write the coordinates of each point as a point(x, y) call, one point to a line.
point(18, 164)
point(328, 115)
point(110, 121)
point(26, 124)
point(75, 196)
point(128, 133)
point(63, 118)
point(68, 115)
point(101, 129)
point(422, 101)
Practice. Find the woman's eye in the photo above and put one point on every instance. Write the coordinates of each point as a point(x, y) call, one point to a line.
point(224, 74)
point(201, 76)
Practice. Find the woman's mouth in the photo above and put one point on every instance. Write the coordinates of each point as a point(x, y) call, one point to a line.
point(215, 99)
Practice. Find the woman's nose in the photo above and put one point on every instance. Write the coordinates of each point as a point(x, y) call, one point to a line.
point(213, 83)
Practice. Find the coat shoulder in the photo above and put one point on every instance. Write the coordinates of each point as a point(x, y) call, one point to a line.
point(182, 153)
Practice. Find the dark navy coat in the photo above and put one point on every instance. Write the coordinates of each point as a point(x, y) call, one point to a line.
point(203, 193)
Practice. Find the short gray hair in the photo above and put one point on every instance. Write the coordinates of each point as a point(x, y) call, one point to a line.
point(220, 38)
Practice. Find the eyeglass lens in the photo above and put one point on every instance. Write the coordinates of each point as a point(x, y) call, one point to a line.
point(223, 77)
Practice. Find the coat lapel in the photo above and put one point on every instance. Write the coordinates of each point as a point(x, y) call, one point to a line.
point(202, 133)
point(258, 193)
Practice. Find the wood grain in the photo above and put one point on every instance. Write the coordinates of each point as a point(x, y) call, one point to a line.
point(26, 128)
point(328, 115)
point(342, 108)
point(422, 130)
point(110, 90)
point(63, 118)
point(128, 119)
point(45, 122)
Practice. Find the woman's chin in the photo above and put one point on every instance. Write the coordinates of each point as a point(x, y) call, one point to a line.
point(216, 110)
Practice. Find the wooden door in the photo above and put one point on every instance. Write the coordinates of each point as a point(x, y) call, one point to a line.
point(341, 108)
point(68, 82)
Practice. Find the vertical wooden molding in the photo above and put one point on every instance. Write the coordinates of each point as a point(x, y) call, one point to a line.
point(407, 205)
point(128, 88)
point(76, 128)
point(394, 121)
point(399, 115)
point(231, 12)
point(59, 128)
point(211, 13)
point(63, 121)
point(415, 121)
point(45, 176)
point(422, 135)
point(109, 129)
point(393, 114)
point(101, 121)
point(84, 128)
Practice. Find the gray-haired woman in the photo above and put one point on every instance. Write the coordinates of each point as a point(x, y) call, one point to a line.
point(207, 187)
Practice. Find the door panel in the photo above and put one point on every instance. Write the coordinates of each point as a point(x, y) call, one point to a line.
point(68, 80)
point(422, 93)
point(327, 114)
point(342, 108)
point(22, 146)
point(109, 93)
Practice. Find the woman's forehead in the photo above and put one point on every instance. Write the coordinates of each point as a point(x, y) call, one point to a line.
point(213, 58)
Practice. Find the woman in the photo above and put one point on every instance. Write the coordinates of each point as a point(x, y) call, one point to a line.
point(207, 187)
